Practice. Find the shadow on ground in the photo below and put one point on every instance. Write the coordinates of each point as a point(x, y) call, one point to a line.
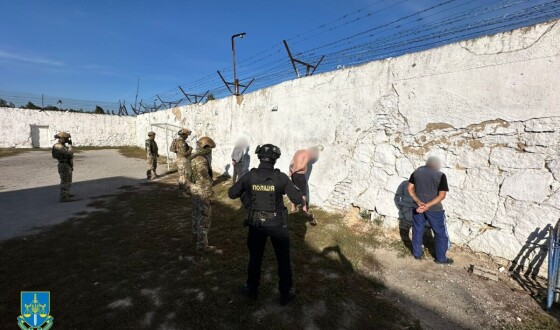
point(527, 264)
point(131, 265)
point(26, 211)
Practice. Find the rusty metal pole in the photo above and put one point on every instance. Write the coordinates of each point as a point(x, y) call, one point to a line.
point(235, 81)
point(291, 57)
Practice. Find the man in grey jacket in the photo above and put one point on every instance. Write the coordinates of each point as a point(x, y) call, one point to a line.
point(237, 160)
point(428, 187)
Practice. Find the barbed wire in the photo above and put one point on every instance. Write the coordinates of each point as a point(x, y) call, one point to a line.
point(430, 27)
point(382, 36)
point(18, 99)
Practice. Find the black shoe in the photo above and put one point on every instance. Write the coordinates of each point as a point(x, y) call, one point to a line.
point(210, 248)
point(251, 294)
point(419, 258)
point(449, 261)
point(67, 200)
point(286, 298)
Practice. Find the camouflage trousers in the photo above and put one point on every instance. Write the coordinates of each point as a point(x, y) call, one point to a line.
point(65, 172)
point(151, 162)
point(184, 169)
point(201, 213)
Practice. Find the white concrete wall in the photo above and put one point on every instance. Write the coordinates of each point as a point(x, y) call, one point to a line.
point(87, 129)
point(489, 107)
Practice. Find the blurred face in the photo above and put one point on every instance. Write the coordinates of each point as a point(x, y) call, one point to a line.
point(314, 153)
point(184, 136)
point(152, 136)
point(435, 164)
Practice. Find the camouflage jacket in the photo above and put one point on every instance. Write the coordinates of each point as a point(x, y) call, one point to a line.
point(63, 153)
point(201, 176)
point(151, 146)
point(180, 147)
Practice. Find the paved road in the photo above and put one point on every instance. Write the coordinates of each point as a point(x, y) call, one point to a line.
point(29, 187)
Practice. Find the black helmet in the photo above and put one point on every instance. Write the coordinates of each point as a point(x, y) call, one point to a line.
point(268, 152)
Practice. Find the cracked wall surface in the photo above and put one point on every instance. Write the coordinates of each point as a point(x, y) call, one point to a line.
point(488, 107)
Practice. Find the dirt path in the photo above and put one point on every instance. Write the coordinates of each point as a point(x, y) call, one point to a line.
point(30, 187)
point(132, 262)
point(445, 297)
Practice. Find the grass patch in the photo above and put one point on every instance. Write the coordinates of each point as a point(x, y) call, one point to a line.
point(139, 153)
point(139, 250)
point(133, 152)
point(535, 321)
point(400, 247)
point(7, 152)
point(84, 148)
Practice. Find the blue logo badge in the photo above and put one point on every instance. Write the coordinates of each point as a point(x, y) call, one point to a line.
point(35, 310)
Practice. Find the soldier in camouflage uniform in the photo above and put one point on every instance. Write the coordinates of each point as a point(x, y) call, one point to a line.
point(201, 189)
point(183, 151)
point(65, 156)
point(151, 156)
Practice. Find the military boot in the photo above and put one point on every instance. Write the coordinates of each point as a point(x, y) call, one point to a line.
point(310, 218)
point(148, 175)
point(202, 251)
point(285, 298)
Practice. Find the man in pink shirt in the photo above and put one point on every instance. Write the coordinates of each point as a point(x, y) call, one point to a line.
point(299, 167)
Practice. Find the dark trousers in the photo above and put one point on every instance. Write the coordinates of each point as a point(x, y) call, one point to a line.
point(237, 171)
point(256, 242)
point(437, 222)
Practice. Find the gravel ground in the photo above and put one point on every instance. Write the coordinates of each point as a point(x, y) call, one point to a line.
point(451, 297)
point(438, 297)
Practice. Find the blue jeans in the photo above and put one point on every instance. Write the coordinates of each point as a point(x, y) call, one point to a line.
point(437, 222)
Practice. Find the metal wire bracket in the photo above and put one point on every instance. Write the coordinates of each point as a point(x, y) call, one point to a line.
point(308, 67)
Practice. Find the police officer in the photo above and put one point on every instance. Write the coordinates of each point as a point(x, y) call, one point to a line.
point(151, 156)
point(183, 151)
point(261, 191)
point(63, 151)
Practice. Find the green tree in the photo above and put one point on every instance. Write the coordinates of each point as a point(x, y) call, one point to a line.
point(30, 105)
point(99, 110)
point(210, 97)
point(51, 107)
point(6, 104)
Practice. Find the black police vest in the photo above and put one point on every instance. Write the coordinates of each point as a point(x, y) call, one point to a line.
point(263, 191)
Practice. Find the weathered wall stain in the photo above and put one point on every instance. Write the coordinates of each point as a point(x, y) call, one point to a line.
point(493, 119)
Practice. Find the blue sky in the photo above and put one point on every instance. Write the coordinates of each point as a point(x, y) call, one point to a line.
point(96, 50)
